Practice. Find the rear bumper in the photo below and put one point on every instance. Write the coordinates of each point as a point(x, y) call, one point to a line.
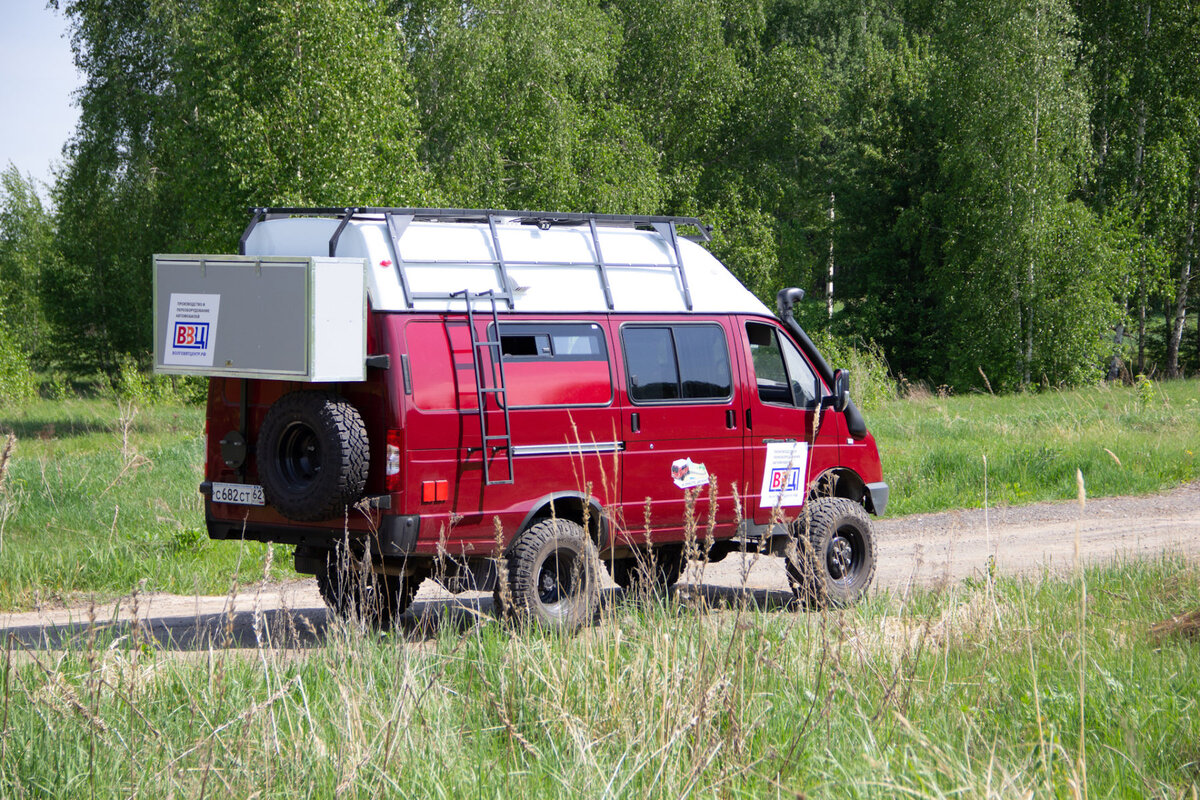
point(878, 493)
point(396, 535)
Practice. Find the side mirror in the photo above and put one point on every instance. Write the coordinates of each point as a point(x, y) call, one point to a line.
point(841, 389)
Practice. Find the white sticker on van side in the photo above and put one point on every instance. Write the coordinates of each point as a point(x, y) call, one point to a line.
point(687, 474)
point(783, 480)
point(191, 329)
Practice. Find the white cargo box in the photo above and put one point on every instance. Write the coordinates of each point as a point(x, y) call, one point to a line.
point(276, 317)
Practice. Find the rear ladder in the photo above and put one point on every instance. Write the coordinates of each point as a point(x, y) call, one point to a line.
point(491, 442)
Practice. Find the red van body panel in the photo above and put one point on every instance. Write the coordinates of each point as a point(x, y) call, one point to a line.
point(578, 429)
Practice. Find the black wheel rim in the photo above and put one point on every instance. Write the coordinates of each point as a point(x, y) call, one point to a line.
point(556, 579)
point(299, 455)
point(845, 555)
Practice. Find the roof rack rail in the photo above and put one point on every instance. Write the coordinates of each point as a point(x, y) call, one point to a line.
point(398, 219)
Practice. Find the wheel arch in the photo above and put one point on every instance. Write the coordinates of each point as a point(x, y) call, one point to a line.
point(569, 506)
point(841, 482)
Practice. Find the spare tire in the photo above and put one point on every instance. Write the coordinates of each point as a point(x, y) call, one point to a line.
point(312, 455)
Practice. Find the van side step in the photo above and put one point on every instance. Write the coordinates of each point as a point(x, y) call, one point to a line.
point(491, 442)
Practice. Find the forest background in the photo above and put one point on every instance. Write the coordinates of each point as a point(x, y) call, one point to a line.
point(992, 194)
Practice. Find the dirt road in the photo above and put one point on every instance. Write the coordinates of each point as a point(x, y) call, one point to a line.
point(925, 550)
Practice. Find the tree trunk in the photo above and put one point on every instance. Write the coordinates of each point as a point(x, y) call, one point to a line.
point(829, 285)
point(1185, 277)
point(1031, 271)
point(1114, 365)
point(1138, 185)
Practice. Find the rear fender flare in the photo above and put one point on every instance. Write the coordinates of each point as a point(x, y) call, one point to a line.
point(567, 505)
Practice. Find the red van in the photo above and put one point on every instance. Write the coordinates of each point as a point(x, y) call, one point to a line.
point(506, 400)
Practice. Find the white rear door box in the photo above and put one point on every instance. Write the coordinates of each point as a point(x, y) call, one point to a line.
point(281, 317)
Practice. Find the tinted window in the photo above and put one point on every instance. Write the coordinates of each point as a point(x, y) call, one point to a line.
point(782, 373)
point(703, 362)
point(803, 379)
point(552, 341)
point(522, 344)
point(689, 362)
point(650, 362)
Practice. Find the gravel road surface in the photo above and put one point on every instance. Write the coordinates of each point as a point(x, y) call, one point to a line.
point(918, 550)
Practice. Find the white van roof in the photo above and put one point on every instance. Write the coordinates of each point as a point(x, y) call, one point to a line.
point(426, 259)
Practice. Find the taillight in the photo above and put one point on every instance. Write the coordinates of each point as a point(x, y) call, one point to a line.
point(394, 481)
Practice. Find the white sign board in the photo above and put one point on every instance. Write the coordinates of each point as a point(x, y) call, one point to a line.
point(784, 471)
point(191, 329)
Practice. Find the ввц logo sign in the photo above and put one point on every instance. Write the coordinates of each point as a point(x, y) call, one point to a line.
point(191, 335)
point(785, 479)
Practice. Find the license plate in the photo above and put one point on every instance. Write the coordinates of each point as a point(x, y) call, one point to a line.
point(246, 494)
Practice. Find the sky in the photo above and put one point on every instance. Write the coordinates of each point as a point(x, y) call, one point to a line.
point(37, 81)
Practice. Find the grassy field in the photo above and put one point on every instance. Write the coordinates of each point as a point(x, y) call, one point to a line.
point(1059, 687)
point(100, 497)
point(1125, 440)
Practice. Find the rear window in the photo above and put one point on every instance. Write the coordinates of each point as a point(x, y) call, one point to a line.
point(552, 341)
point(677, 362)
point(555, 364)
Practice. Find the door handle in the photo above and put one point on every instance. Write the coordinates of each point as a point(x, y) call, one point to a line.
point(749, 426)
point(730, 419)
point(635, 422)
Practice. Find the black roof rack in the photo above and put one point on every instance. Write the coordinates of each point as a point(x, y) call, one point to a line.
point(397, 219)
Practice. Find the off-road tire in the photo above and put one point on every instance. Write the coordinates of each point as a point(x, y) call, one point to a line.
point(369, 597)
point(834, 560)
point(313, 455)
point(668, 565)
point(553, 577)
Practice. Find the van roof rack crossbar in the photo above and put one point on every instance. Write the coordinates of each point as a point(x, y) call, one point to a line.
point(398, 219)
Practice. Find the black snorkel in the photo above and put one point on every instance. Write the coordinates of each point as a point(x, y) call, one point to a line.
point(855, 424)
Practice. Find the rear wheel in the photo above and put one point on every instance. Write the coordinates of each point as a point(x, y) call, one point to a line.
point(659, 576)
point(355, 592)
point(552, 577)
point(835, 554)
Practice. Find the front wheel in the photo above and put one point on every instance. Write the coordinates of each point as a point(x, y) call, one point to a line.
point(835, 554)
point(552, 576)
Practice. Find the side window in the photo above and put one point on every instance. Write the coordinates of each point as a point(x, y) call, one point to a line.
point(704, 372)
point(782, 373)
point(552, 341)
point(803, 379)
point(650, 362)
point(677, 362)
point(554, 364)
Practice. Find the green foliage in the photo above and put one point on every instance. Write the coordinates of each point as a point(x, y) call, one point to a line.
point(17, 384)
point(134, 383)
point(28, 251)
point(871, 383)
point(995, 186)
point(518, 108)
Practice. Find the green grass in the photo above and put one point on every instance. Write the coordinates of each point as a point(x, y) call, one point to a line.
point(933, 448)
point(85, 509)
point(100, 499)
point(978, 691)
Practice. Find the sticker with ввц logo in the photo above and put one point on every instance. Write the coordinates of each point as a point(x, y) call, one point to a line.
point(783, 474)
point(191, 329)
